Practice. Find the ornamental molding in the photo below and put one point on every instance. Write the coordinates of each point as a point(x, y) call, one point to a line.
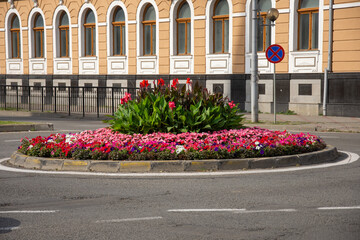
point(36, 4)
point(11, 2)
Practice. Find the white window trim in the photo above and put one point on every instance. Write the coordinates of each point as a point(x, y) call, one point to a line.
point(32, 60)
point(264, 65)
point(56, 39)
point(9, 60)
point(210, 56)
point(139, 37)
point(293, 36)
point(111, 59)
point(82, 59)
point(173, 35)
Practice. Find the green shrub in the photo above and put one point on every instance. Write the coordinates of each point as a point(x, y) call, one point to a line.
point(169, 109)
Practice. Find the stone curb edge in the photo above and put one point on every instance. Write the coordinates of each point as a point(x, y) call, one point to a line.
point(27, 127)
point(329, 154)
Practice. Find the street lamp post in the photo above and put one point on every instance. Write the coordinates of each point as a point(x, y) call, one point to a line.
point(272, 15)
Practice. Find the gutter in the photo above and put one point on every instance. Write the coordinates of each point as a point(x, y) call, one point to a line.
point(330, 49)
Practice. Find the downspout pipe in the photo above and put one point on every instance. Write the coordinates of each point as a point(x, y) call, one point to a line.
point(330, 49)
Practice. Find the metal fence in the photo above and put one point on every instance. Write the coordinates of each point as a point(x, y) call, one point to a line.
point(99, 100)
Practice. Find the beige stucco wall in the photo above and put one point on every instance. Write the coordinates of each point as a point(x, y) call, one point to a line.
point(346, 54)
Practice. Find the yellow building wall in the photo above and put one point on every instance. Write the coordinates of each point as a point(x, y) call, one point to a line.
point(346, 39)
point(346, 48)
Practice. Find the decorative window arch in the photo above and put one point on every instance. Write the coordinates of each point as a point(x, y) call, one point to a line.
point(149, 30)
point(308, 24)
point(147, 37)
point(220, 19)
point(38, 31)
point(264, 33)
point(119, 32)
point(183, 29)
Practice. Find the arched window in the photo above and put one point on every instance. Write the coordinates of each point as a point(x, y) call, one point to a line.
point(64, 35)
point(149, 31)
point(39, 36)
point(264, 34)
point(90, 34)
point(183, 29)
point(15, 37)
point(119, 32)
point(308, 31)
point(221, 27)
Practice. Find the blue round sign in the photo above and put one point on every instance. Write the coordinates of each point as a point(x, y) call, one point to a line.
point(275, 53)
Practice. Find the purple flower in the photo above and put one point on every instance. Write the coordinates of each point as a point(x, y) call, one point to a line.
point(216, 149)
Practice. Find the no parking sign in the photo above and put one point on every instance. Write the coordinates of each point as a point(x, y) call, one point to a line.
point(275, 53)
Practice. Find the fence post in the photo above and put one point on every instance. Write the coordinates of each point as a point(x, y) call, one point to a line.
point(97, 101)
point(17, 98)
point(29, 98)
point(83, 101)
point(55, 99)
point(69, 99)
point(112, 101)
point(5, 95)
point(42, 99)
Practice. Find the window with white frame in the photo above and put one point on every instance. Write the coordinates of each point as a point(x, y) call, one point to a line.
point(308, 28)
point(119, 33)
point(15, 37)
point(149, 30)
point(264, 30)
point(90, 34)
point(183, 29)
point(221, 27)
point(64, 34)
point(38, 31)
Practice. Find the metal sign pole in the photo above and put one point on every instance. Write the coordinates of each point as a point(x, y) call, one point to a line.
point(274, 83)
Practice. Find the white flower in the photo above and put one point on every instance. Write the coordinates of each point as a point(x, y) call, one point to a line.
point(257, 147)
point(30, 147)
point(257, 143)
point(179, 149)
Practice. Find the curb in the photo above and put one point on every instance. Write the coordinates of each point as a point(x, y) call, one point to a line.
point(329, 154)
point(27, 127)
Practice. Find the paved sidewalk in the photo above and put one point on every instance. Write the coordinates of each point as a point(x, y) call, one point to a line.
point(306, 123)
point(284, 122)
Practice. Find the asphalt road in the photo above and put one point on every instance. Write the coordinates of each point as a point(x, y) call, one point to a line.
point(309, 204)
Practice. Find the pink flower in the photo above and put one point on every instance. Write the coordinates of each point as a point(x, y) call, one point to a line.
point(171, 105)
point(231, 104)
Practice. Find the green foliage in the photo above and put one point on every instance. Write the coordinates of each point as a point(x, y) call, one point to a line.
point(195, 110)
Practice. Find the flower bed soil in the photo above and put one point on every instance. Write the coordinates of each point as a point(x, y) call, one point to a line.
point(106, 144)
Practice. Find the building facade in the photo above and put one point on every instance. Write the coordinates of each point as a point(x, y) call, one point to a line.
point(122, 42)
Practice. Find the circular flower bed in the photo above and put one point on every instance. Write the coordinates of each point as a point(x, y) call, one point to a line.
point(107, 144)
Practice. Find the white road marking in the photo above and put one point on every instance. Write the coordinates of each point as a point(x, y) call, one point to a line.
point(30, 211)
point(208, 210)
point(17, 140)
point(128, 220)
point(352, 157)
point(339, 208)
point(268, 211)
point(8, 228)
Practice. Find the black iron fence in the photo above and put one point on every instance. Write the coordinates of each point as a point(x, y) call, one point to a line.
point(99, 100)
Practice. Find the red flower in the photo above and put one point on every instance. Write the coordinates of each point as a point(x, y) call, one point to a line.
point(171, 105)
point(188, 81)
point(175, 82)
point(144, 83)
point(161, 82)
